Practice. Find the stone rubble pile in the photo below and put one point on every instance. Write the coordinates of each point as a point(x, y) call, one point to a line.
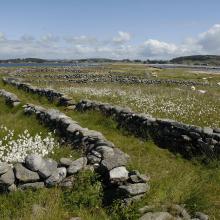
point(100, 153)
point(10, 98)
point(188, 140)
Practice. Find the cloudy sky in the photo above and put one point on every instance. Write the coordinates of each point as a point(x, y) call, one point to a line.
point(134, 29)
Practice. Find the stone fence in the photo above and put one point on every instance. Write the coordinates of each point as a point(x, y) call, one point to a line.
point(100, 153)
point(111, 78)
point(188, 140)
point(10, 98)
point(50, 94)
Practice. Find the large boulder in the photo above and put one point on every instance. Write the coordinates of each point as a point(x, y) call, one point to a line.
point(25, 175)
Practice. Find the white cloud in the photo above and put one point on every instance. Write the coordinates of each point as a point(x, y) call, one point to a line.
point(123, 37)
point(120, 47)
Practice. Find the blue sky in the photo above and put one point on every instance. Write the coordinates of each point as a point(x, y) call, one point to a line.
point(103, 28)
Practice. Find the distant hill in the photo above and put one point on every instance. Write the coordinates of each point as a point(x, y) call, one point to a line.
point(206, 60)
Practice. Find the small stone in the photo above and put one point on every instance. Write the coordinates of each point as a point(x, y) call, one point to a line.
point(118, 174)
point(25, 175)
point(4, 167)
point(36, 185)
point(77, 165)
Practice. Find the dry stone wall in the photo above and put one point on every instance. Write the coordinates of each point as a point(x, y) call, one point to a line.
point(10, 98)
point(188, 140)
point(103, 155)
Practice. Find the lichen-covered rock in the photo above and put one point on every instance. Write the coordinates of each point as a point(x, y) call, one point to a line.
point(77, 165)
point(25, 175)
point(56, 177)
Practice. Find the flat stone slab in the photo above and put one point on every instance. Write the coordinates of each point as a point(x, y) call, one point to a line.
point(134, 189)
point(36, 185)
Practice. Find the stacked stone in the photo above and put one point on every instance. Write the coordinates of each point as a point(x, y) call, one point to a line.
point(50, 94)
point(102, 154)
point(115, 78)
point(37, 172)
point(188, 140)
point(10, 98)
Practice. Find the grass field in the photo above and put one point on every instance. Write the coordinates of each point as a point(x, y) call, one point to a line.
point(173, 179)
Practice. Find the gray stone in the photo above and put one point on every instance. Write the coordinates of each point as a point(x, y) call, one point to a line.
point(177, 210)
point(157, 216)
point(134, 189)
point(7, 178)
point(25, 175)
point(216, 130)
point(33, 162)
point(77, 165)
point(207, 130)
point(105, 151)
point(118, 159)
point(56, 177)
point(4, 167)
point(51, 164)
point(201, 216)
point(92, 159)
point(36, 185)
point(118, 175)
point(67, 182)
point(136, 177)
point(12, 188)
point(65, 161)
